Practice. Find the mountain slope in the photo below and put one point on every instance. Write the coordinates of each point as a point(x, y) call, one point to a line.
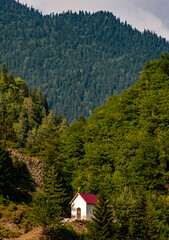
point(123, 148)
point(125, 142)
point(78, 60)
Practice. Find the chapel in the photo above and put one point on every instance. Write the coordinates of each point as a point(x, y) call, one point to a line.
point(82, 206)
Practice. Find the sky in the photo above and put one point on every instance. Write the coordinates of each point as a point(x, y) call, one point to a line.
point(151, 15)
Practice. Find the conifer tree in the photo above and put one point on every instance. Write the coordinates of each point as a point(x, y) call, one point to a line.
point(123, 209)
point(3, 170)
point(53, 188)
point(143, 222)
point(47, 207)
point(44, 211)
point(101, 227)
point(4, 69)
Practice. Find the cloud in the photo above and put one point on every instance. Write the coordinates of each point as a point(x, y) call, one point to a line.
point(143, 19)
point(144, 14)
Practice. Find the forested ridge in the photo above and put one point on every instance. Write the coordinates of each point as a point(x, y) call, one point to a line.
point(78, 59)
point(121, 154)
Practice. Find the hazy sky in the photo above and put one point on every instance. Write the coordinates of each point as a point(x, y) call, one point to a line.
point(142, 14)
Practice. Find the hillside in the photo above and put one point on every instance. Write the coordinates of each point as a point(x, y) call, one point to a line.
point(78, 60)
point(125, 142)
point(123, 149)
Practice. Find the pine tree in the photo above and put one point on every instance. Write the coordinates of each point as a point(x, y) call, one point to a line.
point(53, 188)
point(123, 209)
point(44, 212)
point(101, 227)
point(47, 207)
point(21, 128)
point(138, 219)
point(3, 170)
point(4, 69)
point(143, 222)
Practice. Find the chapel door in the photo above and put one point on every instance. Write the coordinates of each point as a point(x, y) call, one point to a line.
point(78, 213)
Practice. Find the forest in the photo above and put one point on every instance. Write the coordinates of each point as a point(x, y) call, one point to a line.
point(77, 59)
point(121, 154)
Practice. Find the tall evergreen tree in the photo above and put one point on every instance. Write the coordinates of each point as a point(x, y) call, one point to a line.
point(143, 222)
point(47, 207)
point(53, 188)
point(44, 211)
point(4, 170)
point(123, 210)
point(4, 69)
point(102, 226)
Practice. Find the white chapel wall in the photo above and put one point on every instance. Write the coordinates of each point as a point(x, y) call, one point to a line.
point(78, 203)
point(90, 208)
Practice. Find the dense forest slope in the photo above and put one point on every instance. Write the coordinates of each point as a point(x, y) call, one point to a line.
point(126, 141)
point(21, 113)
point(78, 60)
point(122, 148)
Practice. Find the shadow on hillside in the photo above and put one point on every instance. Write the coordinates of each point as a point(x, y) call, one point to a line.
point(20, 184)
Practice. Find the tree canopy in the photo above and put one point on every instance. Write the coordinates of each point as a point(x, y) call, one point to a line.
point(78, 59)
point(122, 147)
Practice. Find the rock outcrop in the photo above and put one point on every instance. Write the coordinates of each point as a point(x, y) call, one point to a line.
point(34, 166)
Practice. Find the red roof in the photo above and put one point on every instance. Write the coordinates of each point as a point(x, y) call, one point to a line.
point(89, 198)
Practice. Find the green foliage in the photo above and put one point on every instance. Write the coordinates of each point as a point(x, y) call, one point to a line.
point(141, 216)
point(123, 209)
point(53, 188)
point(47, 207)
point(125, 141)
point(14, 213)
point(15, 180)
point(21, 113)
point(124, 145)
point(6, 233)
point(4, 170)
point(46, 141)
point(61, 233)
point(44, 212)
point(78, 59)
point(102, 226)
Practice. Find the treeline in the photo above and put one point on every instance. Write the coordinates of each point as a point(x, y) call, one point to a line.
point(122, 148)
point(22, 114)
point(78, 60)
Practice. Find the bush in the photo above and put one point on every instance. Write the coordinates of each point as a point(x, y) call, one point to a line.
point(4, 201)
point(12, 207)
point(60, 233)
point(6, 233)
